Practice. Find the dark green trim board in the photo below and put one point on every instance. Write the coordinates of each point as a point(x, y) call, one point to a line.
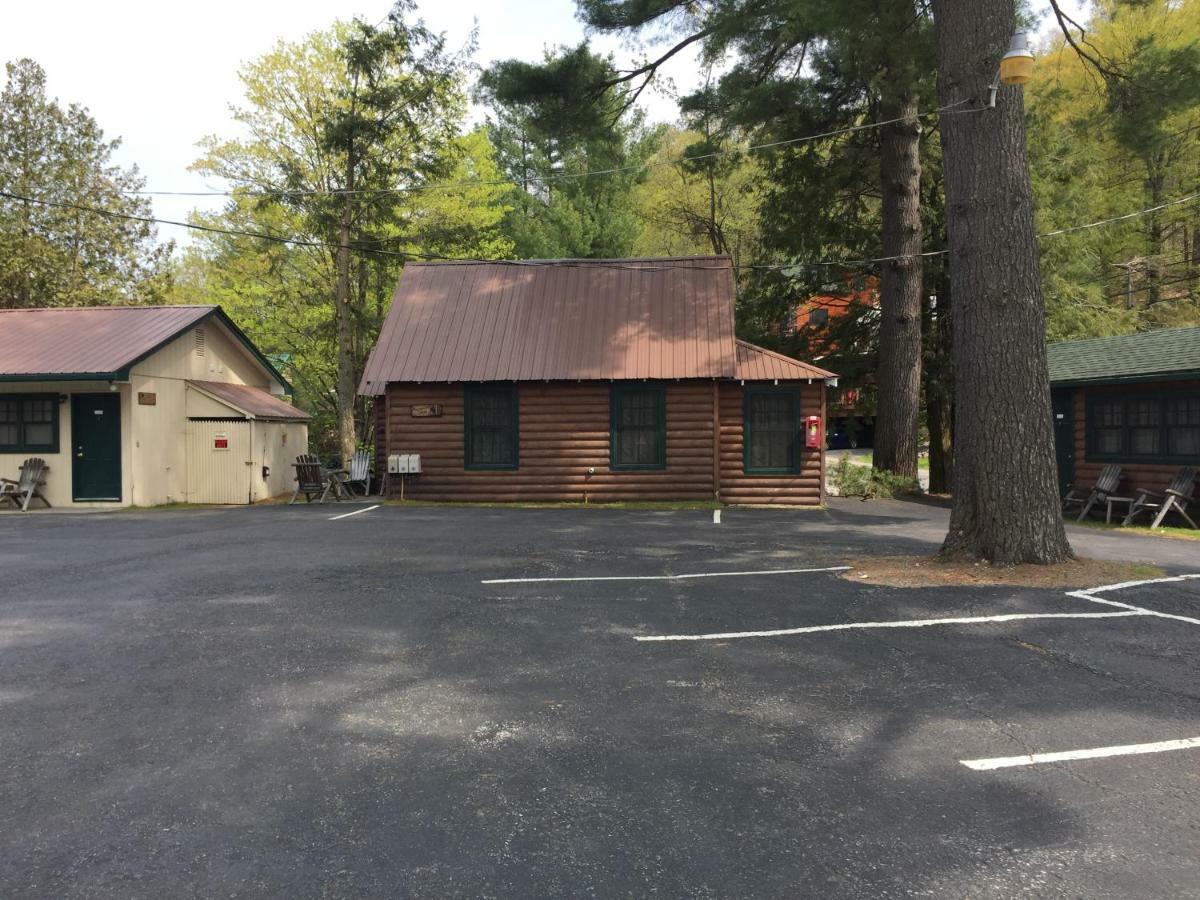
point(511, 433)
point(1162, 400)
point(22, 445)
point(618, 394)
point(792, 428)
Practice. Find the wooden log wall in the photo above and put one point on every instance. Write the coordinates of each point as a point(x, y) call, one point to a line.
point(1138, 475)
point(805, 488)
point(564, 430)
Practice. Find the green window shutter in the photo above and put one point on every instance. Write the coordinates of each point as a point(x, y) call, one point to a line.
point(638, 427)
point(490, 427)
point(771, 431)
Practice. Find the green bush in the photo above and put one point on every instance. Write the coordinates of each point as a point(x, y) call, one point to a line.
point(863, 481)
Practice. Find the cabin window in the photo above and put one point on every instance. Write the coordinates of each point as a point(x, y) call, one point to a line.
point(771, 432)
point(29, 424)
point(638, 438)
point(1144, 428)
point(818, 315)
point(490, 427)
point(1183, 426)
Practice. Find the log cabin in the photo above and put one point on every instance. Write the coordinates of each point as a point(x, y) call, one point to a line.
point(1132, 400)
point(589, 381)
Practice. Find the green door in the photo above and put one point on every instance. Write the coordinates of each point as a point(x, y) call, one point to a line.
point(1063, 405)
point(96, 446)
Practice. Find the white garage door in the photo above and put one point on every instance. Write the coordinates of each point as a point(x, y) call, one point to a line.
point(220, 463)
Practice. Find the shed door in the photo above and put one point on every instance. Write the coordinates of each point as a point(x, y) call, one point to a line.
point(1063, 405)
point(96, 447)
point(220, 462)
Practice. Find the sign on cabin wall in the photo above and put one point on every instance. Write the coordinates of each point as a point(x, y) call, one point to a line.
point(147, 399)
point(425, 411)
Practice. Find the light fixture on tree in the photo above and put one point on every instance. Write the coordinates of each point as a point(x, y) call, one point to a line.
point(1016, 66)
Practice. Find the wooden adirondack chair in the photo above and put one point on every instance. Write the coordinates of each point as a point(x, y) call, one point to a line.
point(1106, 485)
point(1176, 497)
point(20, 492)
point(311, 479)
point(360, 472)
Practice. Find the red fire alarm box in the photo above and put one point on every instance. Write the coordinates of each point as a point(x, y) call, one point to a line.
point(812, 431)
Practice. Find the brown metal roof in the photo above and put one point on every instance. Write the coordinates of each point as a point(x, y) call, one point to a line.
point(254, 402)
point(563, 319)
point(96, 340)
point(756, 363)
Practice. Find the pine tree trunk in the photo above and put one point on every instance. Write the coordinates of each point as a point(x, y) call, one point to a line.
point(345, 335)
point(899, 368)
point(1006, 507)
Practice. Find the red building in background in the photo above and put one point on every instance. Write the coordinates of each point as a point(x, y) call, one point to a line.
point(826, 321)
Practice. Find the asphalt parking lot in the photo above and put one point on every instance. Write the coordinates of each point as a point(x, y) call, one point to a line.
point(273, 702)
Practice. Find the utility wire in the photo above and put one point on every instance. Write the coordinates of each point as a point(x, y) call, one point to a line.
point(613, 264)
point(565, 176)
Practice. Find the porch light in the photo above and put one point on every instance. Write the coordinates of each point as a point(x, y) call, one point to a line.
point(1016, 66)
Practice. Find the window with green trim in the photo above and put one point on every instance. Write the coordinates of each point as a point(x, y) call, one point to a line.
point(28, 423)
point(490, 427)
point(1162, 428)
point(771, 432)
point(638, 438)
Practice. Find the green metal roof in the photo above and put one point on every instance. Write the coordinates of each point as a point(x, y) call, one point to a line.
point(1150, 356)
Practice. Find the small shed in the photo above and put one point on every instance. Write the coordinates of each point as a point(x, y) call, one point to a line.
point(590, 380)
point(143, 406)
point(1132, 400)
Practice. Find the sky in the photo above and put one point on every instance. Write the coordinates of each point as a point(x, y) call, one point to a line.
point(161, 75)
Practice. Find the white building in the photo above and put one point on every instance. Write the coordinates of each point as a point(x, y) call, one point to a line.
point(139, 406)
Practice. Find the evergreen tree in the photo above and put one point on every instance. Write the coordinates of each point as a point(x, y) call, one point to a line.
point(805, 68)
point(55, 252)
point(544, 139)
point(1006, 507)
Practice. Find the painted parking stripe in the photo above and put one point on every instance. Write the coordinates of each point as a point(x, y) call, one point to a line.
point(1090, 593)
point(355, 513)
point(665, 577)
point(1033, 759)
point(910, 623)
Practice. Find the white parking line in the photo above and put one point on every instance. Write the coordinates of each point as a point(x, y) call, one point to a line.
point(665, 577)
point(910, 623)
point(355, 513)
point(1090, 593)
point(1033, 759)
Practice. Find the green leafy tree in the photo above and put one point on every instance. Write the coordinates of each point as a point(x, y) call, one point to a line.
point(354, 145)
point(56, 252)
point(696, 207)
point(1114, 127)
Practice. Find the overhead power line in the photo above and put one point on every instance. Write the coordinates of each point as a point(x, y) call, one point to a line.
point(614, 264)
point(564, 176)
